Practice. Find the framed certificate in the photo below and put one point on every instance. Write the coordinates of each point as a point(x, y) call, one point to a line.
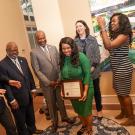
point(72, 89)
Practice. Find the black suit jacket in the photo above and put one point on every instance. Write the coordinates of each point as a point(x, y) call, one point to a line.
point(9, 69)
point(3, 81)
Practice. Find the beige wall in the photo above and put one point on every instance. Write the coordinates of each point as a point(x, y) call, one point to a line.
point(12, 27)
point(73, 10)
point(48, 19)
point(57, 17)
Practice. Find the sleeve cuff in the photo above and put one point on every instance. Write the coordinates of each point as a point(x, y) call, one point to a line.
point(34, 90)
point(12, 101)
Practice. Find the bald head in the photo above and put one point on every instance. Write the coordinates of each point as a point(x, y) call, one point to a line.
point(12, 49)
point(39, 32)
point(41, 38)
point(10, 45)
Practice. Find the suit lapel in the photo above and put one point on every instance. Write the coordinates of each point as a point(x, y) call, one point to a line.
point(50, 52)
point(52, 56)
point(12, 65)
point(23, 67)
point(44, 53)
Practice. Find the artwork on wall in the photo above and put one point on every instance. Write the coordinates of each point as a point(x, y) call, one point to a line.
point(106, 8)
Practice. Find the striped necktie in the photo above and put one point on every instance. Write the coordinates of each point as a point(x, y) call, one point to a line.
point(47, 52)
point(18, 65)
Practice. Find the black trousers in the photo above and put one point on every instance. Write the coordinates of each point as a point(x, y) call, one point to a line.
point(97, 95)
point(7, 122)
point(25, 119)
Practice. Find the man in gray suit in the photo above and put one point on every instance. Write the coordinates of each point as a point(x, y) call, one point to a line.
point(45, 63)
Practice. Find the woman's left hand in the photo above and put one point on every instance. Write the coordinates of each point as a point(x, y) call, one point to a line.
point(84, 97)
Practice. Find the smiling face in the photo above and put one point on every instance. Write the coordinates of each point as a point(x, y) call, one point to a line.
point(12, 50)
point(115, 23)
point(66, 49)
point(80, 29)
point(41, 38)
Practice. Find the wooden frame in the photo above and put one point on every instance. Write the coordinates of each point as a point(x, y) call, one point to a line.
point(72, 89)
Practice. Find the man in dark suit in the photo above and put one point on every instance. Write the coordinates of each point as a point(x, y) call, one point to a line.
point(5, 115)
point(20, 100)
point(45, 62)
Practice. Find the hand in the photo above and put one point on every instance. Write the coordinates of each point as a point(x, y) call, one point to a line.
point(14, 83)
point(92, 69)
point(33, 94)
point(2, 91)
point(62, 95)
point(53, 83)
point(15, 105)
point(101, 22)
point(84, 97)
point(58, 83)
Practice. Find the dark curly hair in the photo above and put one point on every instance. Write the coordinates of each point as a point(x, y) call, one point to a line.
point(87, 30)
point(124, 26)
point(75, 52)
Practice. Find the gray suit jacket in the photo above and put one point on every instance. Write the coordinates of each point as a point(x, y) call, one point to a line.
point(46, 70)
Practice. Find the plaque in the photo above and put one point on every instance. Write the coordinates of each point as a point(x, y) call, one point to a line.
point(72, 89)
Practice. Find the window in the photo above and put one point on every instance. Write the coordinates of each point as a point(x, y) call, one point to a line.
point(29, 19)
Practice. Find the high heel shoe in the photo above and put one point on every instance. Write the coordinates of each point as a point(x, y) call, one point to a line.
point(89, 132)
point(82, 130)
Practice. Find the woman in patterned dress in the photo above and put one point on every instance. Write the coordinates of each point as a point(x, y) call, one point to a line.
point(74, 66)
point(120, 33)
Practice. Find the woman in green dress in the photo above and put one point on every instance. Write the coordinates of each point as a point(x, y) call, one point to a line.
point(74, 66)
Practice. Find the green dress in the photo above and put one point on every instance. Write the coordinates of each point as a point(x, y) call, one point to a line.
point(82, 72)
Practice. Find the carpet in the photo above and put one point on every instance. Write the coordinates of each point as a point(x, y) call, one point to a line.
point(105, 126)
